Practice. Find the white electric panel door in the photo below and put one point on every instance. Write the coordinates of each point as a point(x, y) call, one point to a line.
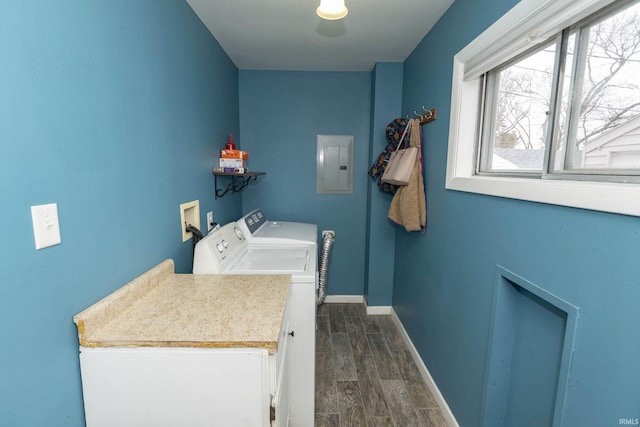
point(334, 164)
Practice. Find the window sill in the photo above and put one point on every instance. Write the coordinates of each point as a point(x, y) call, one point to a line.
point(600, 196)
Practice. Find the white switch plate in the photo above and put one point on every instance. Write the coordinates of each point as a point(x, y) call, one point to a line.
point(209, 220)
point(46, 229)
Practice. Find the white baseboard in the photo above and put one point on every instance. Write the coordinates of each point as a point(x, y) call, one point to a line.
point(379, 309)
point(347, 299)
point(431, 384)
point(358, 299)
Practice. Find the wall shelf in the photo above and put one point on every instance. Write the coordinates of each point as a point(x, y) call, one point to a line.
point(239, 181)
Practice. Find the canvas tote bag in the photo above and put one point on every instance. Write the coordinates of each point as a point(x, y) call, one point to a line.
point(401, 162)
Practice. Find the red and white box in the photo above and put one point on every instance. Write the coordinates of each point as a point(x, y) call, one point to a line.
point(234, 154)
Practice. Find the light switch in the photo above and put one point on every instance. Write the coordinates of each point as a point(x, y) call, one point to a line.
point(46, 229)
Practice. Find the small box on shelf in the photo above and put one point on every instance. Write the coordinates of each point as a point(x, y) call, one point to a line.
point(234, 154)
point(219, 169)
point(232, 163)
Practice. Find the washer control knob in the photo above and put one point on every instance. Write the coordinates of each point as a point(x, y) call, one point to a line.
point(225, 244)
point(219, 247)
point(239, 233)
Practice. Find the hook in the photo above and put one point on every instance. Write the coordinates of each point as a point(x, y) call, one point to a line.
point(428, 116)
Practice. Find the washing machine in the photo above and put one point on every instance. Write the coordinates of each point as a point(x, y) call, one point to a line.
point(228, 251)
point(258, 229)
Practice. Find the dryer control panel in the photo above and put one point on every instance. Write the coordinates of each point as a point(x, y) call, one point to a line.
point(258, 229)
point(254, 220)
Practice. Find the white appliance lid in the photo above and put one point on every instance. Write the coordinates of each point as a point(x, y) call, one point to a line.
point(273, 259)
point(294, 260)
point(288, 231)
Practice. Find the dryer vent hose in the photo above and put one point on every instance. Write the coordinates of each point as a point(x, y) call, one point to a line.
point(323, 265)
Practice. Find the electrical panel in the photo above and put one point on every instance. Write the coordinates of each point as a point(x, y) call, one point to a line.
point(334, 164)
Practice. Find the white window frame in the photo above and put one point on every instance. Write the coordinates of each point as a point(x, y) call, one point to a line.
point(528, 23)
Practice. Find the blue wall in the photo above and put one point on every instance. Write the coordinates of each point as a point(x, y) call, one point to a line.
point(444, 281)
point(281, 113)
point(386, 90)
point(113, 110)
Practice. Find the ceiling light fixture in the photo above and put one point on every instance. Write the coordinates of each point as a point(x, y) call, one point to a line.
point(332, 9)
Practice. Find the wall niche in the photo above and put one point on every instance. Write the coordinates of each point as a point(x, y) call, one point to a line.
point(529, 355)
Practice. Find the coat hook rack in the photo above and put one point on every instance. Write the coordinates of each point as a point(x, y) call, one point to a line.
point(426, 117)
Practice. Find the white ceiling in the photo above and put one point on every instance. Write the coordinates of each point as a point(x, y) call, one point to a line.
point(288, 35)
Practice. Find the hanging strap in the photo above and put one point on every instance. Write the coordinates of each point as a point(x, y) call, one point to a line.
point(406, 130)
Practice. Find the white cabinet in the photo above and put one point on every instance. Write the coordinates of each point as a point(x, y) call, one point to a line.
point(187, 386)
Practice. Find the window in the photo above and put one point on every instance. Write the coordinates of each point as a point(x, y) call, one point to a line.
point(516, 114)
point(577, 97)
point(546, 106)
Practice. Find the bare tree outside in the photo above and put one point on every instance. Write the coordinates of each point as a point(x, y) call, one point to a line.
point(514, 111)
point(525, 89)
point(610, 93)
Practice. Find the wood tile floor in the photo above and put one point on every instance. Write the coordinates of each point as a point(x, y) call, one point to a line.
point(365, 376)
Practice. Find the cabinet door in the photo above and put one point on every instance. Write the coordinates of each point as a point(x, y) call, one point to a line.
point(280, 403)
point(302, 354)
point(168, 387)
